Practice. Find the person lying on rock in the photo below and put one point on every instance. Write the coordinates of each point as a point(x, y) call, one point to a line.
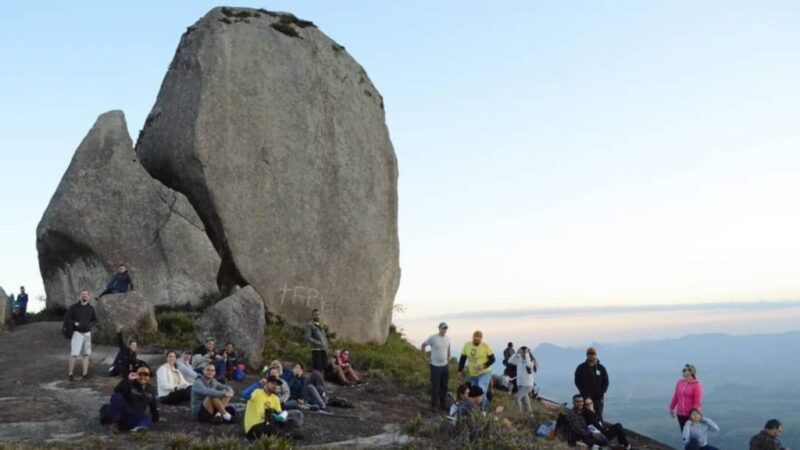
point(343, 360)
point(184, 364)
point(126, 360)
point(173, 388)
point(210, 398)
point(264, 415)
point(120, 282)
point(131, 399)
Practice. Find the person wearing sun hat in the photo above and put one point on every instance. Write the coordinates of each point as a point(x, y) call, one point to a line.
point(438, 363)
point(477, 357)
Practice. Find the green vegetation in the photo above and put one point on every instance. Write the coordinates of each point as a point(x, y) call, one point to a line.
point(505, 428)
point(49, 314)
point(183, 442)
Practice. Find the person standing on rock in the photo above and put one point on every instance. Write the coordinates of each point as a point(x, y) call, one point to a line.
point(316, 339)
point(120, 282)
point(478, 358)
point(688, 395)
point(438, 363)
point(591, 379)
point(22, 305)
point(82, 317)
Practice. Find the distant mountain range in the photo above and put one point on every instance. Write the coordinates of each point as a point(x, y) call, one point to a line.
point(747, 380)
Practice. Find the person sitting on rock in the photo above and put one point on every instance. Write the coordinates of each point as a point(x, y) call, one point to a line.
point(334, 372)
point(210, 398)
point(609, 431)
point(343, 360)
point(314, 392)
point(173, 388)
point(264, 415)
point(695, 431)
point(206, 354)
point(462, 395)
point(303, 395)
point(579, 429)
point(767, 439)
point(184, 364)
point(126, 360)
point(231, 360)
point(121, 282)
point(132, 396)
point(472, 404)
point(284, 373)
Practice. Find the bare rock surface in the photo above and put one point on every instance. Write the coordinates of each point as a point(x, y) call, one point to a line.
point(5, 311)
point(135, 314)
point(238, 319)
point(107, 210)
point(278, 138)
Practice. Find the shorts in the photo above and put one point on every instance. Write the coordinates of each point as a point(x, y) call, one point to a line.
point(81, 343)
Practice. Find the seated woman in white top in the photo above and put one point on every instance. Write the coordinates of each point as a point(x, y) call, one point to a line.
point(172, 386)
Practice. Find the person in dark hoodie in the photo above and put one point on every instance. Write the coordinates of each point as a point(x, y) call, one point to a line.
point(120, 282)
point(126, 360)
point(609, 430)
point(131, 399)
point(591, 379)
point(80, 319)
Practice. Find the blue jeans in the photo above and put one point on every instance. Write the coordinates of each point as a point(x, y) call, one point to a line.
point(482, 380)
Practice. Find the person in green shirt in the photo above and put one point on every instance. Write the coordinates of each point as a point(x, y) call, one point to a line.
point(477, 357)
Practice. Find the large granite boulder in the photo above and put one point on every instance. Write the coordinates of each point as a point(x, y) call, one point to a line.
point(5, 311)
point(132, 311)
point(238, 319)
point(107, 210)
point(278, 138)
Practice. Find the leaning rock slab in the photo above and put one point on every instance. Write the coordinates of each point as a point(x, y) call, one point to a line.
point(106, 210)
point(238, 319)
point(131, 310)
point(278, 138)
point(5, 311)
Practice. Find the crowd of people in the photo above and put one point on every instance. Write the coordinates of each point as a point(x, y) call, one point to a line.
point(275, 403)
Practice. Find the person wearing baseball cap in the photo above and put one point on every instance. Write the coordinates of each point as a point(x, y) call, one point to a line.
point(478, 358)
point(591, 379)
point(438, 363)
point(264, 416)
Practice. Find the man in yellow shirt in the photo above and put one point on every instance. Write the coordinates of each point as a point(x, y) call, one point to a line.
point(478, 358)
point(265, 416)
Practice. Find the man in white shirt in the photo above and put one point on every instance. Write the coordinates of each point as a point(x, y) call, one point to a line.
point(438, 362)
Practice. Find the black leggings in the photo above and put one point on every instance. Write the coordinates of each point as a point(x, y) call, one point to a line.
point(177, 397)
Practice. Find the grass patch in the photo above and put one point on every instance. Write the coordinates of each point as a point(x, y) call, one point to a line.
point(183, 442)
point(508, 429)
point(49, 314)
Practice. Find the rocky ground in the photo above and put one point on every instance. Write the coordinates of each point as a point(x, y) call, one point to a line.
point(40, 407)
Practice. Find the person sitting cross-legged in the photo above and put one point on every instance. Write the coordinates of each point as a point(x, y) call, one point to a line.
point(264, 415)
point(696, 429)
point(210, 398)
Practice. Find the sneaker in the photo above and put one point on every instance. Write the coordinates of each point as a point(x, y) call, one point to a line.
point(138, 429)
point(325, 411)
point(217, 418)
point(71, 377)
point(85, 377)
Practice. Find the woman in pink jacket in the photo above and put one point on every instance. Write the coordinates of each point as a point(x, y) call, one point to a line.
point(688, 395)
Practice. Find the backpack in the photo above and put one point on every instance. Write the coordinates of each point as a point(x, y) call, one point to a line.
point(67, 329)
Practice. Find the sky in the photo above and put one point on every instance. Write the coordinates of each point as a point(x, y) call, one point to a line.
point(551, 154)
